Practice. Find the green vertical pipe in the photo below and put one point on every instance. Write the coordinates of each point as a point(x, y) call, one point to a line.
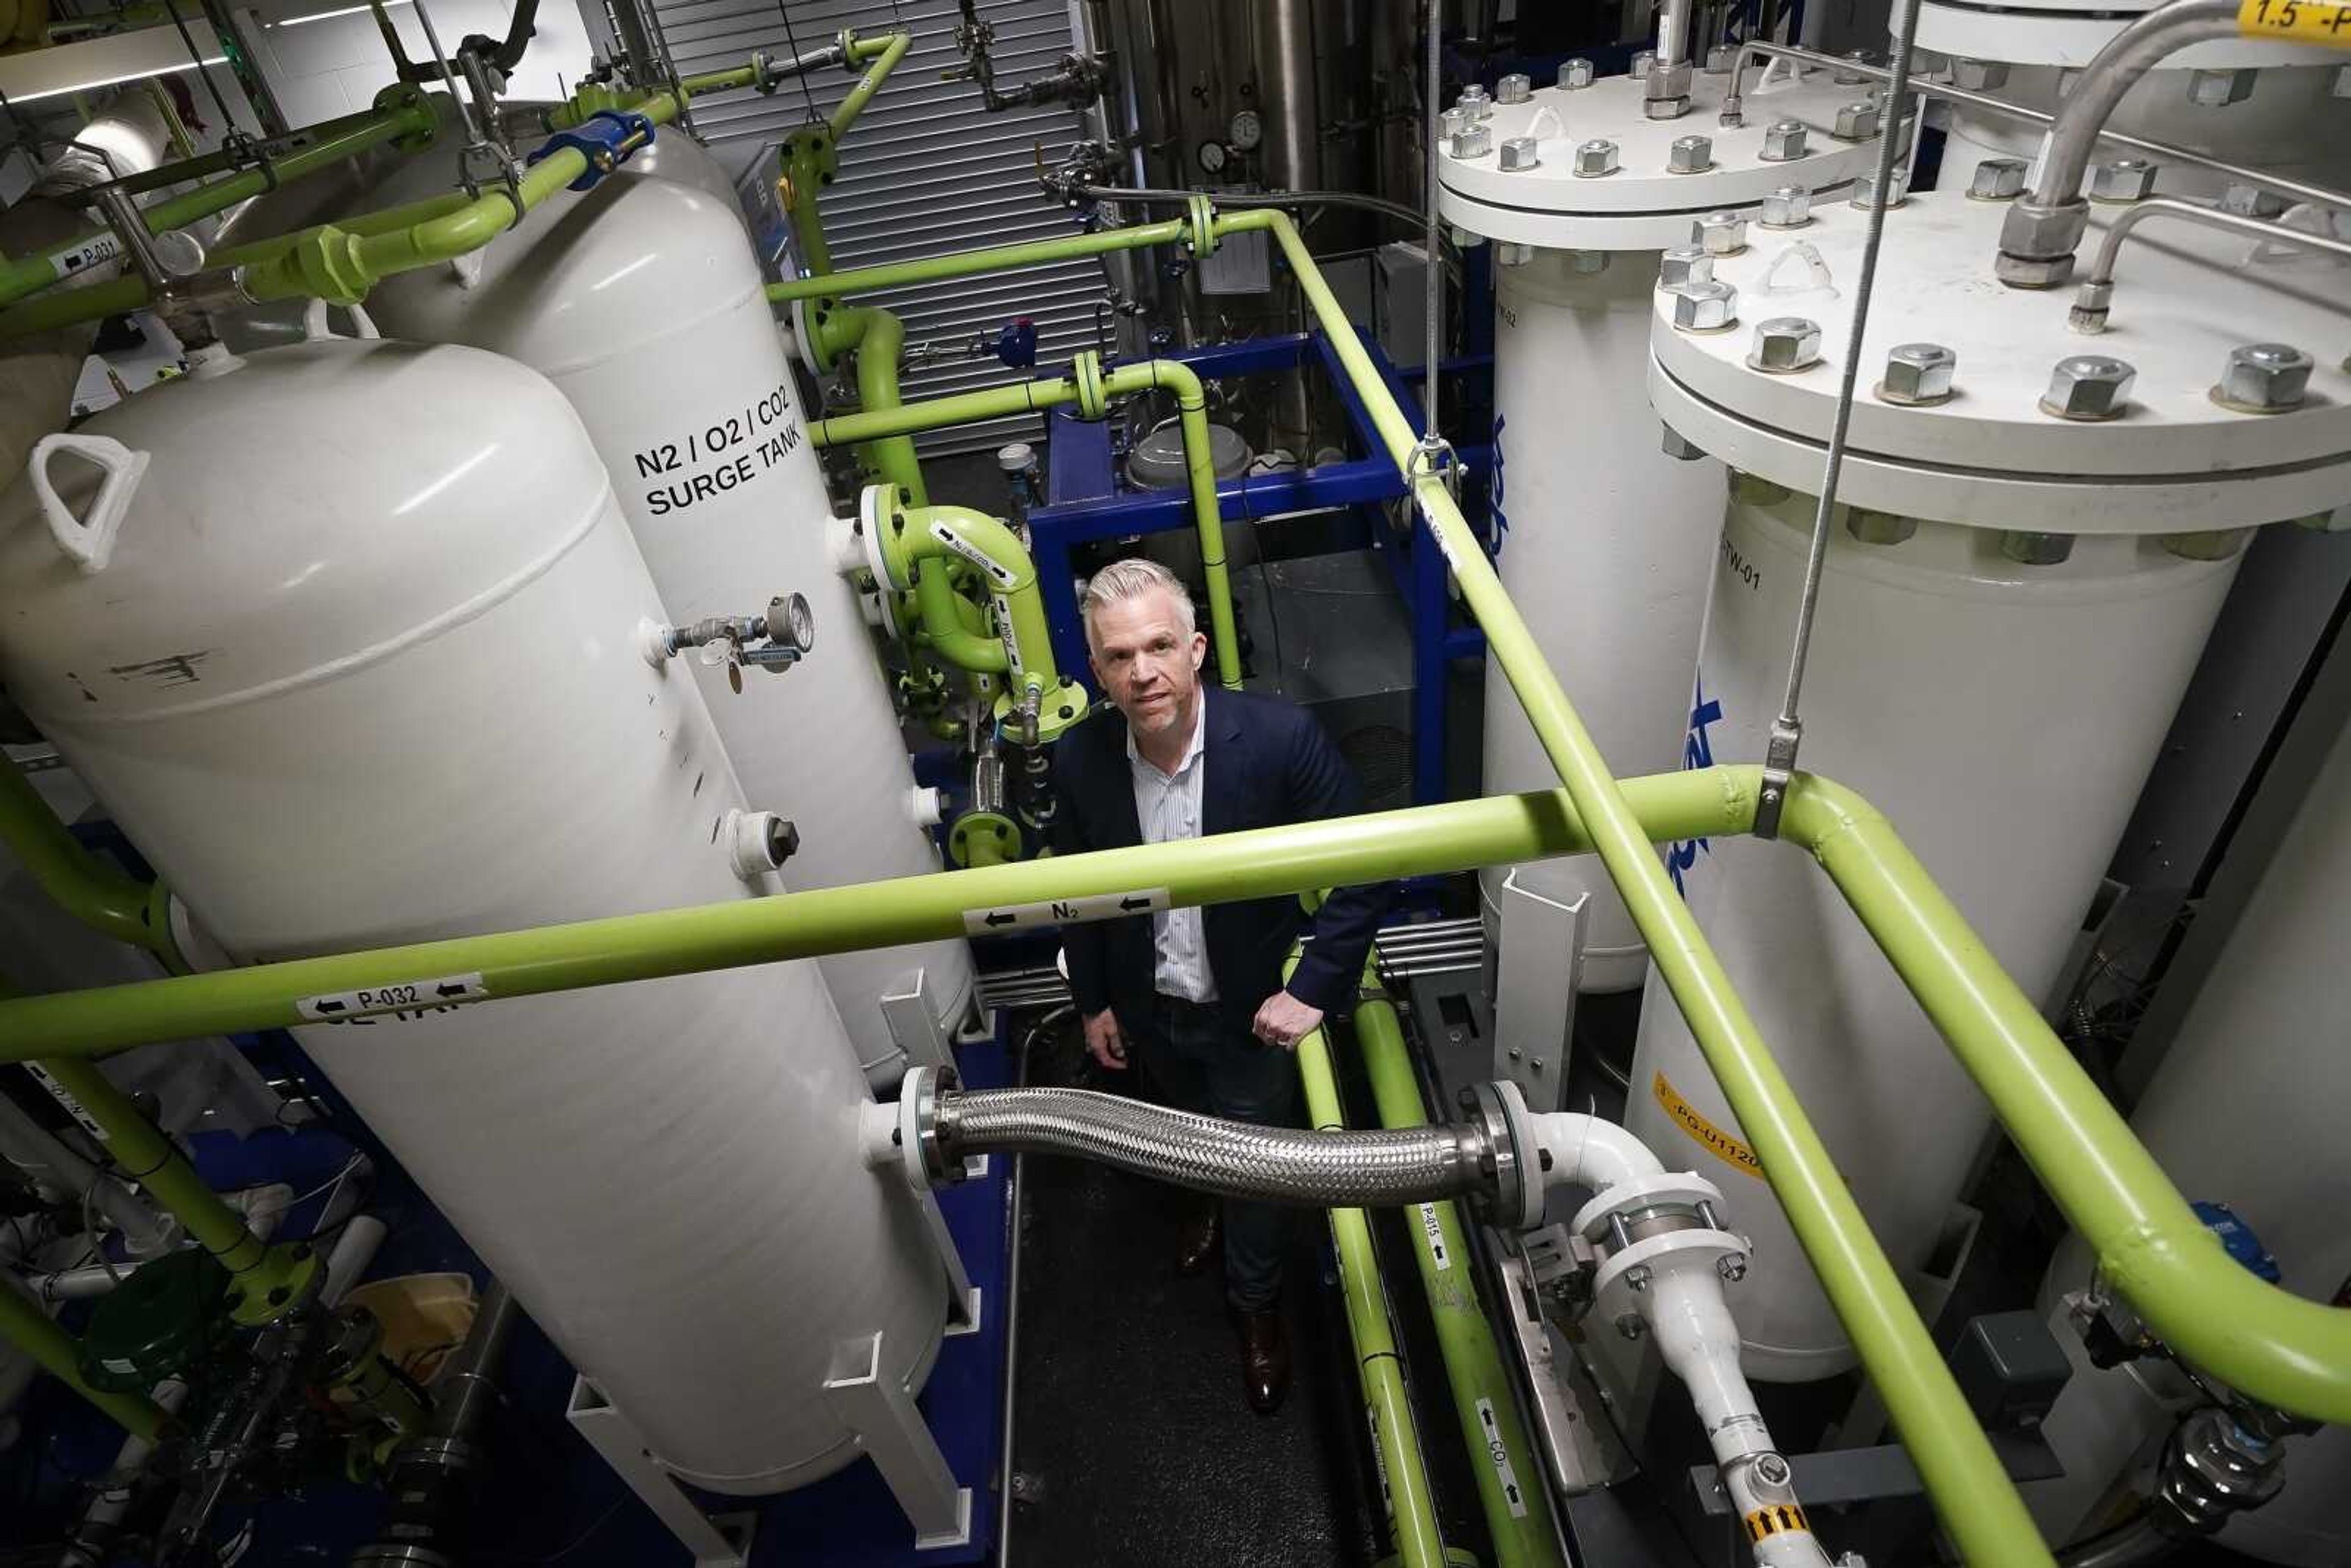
point(807, 161)
point(879, 337)
point(1412, 1505)
point(1521, 1528)
point(25, 1326)
point(1010, 576)
point(832, 285)
point(2265, 1342)
point(1972, 1494)
point(101, 898)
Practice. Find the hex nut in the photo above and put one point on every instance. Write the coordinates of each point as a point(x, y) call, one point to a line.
point(1687, 264)
point(1667, 82)
point(1918, 374)
point(2027, 548)
point(1472, 141)
point(2218, 90)
point(1785, 344)
point(1783, 141)
point(1719, 234)
point(2122, 180)
point(1514, 88)
point(1519, 153)
point(1857, 121)
point(1980, 76)
point(1711, 306)
point(2089, 387)
point(1753, 490)
point(1719, 59)
point(1474, 103)
point(1509, 254)
point(2250, 200)
point(1844, 77)
point(2266, 378)
point(1454, 121)
point(1594, 158)
point(1879, 527)
point(1587, 263)
point(1690, 155)
point(1789, 208)
point(1575, 74)
point(2343, 81)
point(1678, 447)
point(1998, 179)
point(1642, 61)
point(1865, 189)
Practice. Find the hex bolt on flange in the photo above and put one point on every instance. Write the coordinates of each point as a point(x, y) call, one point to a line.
point(2264, 378)
point(1519, 154)
point(1575, 74)
point(1690, 155)
point(1719, 234)
point(1864, 190)
point(1789, 208)
point(1918, 375)
point(1998, 179)
point(1595, 159)
point(1879, 527)
point(1473, 140)
point(1514, 88)
point(2122, 180)
point(1857, 121)
point(1785, 345)
point(1783, 141)
point(2089, 388)
point(1685, 265)
point(1710, 306)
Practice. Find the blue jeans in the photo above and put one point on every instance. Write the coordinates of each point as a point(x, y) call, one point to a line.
point(1193, 1059)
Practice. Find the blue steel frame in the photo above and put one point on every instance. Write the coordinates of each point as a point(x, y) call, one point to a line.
point(1083, 504)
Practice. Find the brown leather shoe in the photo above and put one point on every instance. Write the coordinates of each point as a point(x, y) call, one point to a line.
point(1198, 1243)
point(1265, 1358)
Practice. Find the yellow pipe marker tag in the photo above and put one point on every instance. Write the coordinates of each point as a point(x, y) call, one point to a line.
point(1717, 1142)
point(2300, 21)
point(1780, 1519)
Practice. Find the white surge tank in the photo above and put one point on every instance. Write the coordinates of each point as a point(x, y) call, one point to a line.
point(1606, 543)
point(2247, 1110)
point(2003, 717)
point(641, 300)
point(365, 669)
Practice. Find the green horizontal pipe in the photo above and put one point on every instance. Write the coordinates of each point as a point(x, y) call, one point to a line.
point(1412, 1506)
point(1260, 864)
point(972, 262)
point(1970, 1487)
point(91, 891)
point(311, 150)
point(1521, 1526)
point(875, 424)
point(24, 1325)
point(2261, 1340)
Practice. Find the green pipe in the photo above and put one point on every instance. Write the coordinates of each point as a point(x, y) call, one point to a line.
point(406, 114)
point(945, 633)
point(24, 1325)
point(875, 424)
point(103, 899)
point(809, 160)
point(879, 336)
point(1261, 863)
point(1411, 1509)
point(885, 52)
point(944, 534)
point(1972, 1494)
point(829, 284)
point(1518, 1511)
point(2266, 1343)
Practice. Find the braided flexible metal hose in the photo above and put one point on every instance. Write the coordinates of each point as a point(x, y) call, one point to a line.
point(1233, 1159)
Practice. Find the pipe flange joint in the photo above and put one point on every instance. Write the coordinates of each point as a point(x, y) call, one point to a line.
point(926, 1132)
point(1502, 1129)
point(879, 523)
point(995, 837)
point(1061, 706)
point(1093, 400)
point(289, 1275)
point(412, 99)
point(1200, 222)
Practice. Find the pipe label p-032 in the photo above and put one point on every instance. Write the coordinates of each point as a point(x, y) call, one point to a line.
point(2301, 21)
point(1066, 911)
point(400, 1000)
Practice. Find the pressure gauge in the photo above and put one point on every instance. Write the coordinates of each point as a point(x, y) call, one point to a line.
point(791, 622)
point(1212, 157)
point(1246, 130)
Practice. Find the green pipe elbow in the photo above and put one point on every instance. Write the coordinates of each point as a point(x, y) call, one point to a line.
point(134, 913)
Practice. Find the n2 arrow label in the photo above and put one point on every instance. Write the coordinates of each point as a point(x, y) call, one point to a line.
point(1065, 911)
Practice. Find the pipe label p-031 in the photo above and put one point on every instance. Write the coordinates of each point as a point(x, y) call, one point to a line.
point(1066, 911)
point(2301, 21)
point(400, 999)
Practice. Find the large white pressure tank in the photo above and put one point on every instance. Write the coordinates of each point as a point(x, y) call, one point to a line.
point(365, 668)
point(641, 300)
point(2012, 609)
point(2003, 716)
point(1605, 540)
point(2246, 1110)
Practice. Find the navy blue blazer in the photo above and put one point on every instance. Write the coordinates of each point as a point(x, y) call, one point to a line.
point(1269, 763)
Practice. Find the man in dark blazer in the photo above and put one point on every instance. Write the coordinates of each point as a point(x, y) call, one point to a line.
point(1195, 998)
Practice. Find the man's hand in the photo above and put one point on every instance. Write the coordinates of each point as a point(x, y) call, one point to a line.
point(1103, 1042)
point(1284, 1020)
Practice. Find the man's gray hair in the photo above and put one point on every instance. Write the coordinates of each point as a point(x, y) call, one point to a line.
point(1132, 578)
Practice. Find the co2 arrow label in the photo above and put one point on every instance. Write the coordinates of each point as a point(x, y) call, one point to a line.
point(404, 998)
point(1065, 911)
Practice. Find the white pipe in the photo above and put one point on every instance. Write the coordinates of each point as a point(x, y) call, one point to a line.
point(353, 1251)
point(95, 1534)
point(1680, 1298)
point(64, 1175)
point(263, 1209)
